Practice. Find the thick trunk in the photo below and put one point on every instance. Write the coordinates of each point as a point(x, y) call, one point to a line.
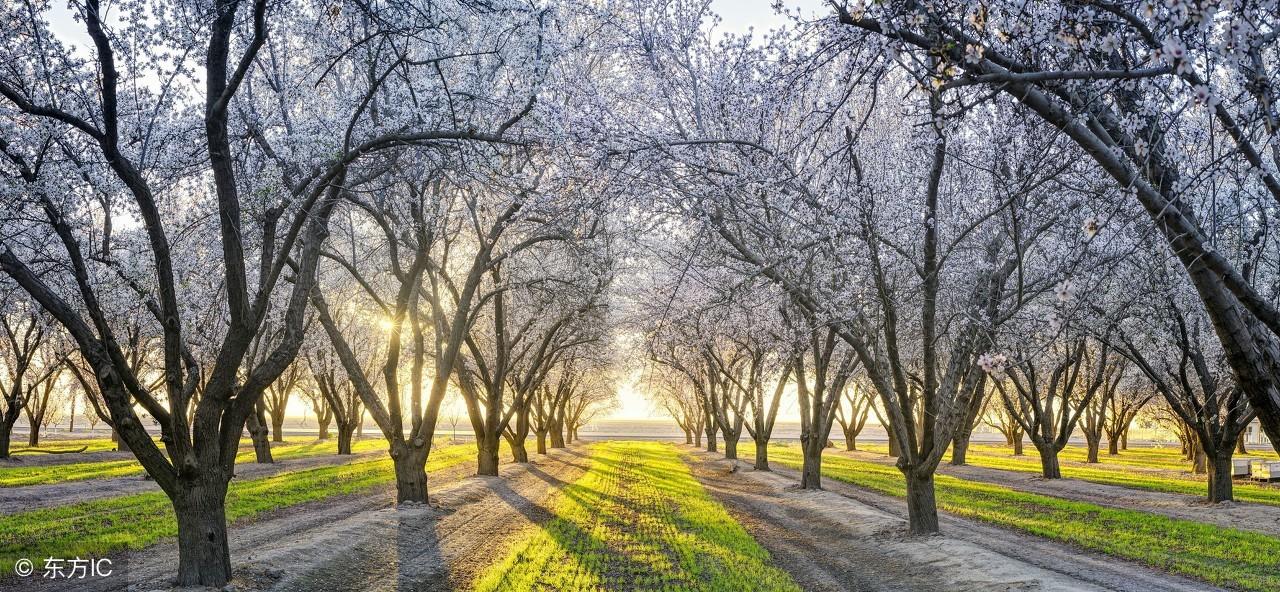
point(1113, 446)
point(557, 436)
point(519, 453)
point(762, 456)
point(697, 438)
point(1124, 439)
point(1093, 445)
point(1049, 467)
point(121, 445)
point(323, 430)
point(1201, 464)
point(711, 440)
point(277, 428)
point(542, 441)
point(33, 437)
point(203, 558)
point(411, 474)
point(1017, 447)
point(959, 451)
point(811, 467)
point(487, 456)
point(730, 447)
point(850, 441)
point(344, 439)
point(1220, 478)
point(922, 509)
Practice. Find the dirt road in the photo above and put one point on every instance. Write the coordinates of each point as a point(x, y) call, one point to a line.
point(845, 538)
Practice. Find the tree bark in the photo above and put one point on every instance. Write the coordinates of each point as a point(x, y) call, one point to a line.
point(519, 453)
point(711, 437)
point(203, 557)
point(811, 467)
point(258, 435)
point(323, 429)
point(697, 439)
point(1093, 445)
point(486, 457)
point(762, 457)
point(1124, 439)
point(730, 448)
point(277, 428)
point(959, 451)
point(922, 507)
point(557, 435)
point(1113, 446)
point(411, 473)
point(542, 441)
point(1220, 477)
point(688, 436)
point(1240, 447)
point(344, 438)
point(1049, 466)
point(1017, 447)
point(33, 437)
point(6, 435)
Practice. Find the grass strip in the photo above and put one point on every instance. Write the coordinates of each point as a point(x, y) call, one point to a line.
point(637, 520)
point(98, 527)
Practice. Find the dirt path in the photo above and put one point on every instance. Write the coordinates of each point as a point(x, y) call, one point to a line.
point(845, 538)
point(31, 497)
point(21, 460)
point(364, 542)
point(1260, 518)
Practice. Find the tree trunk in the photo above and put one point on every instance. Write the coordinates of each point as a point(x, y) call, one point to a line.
point(1124, 439)
point(121, 445)
point(6, 435)
point(323, 429)
point(1049, 467)
point(542, 441)
point(487, 456)
point(850, 441)
point(1240, 447)
point(277, 428)
point(811, 467)
point(959, 451)
point(894, 449)
point(1201, 464)
point(344, 438)
point(730, 447)
point(258, 435)
point(711, 439)
point(411, 474)
point(203, 558)
point(33, 437)
point(1017, 446)
point(1113, 446)
point(557, 435)
point(697, 439)
point(688, 436)
point(1093, 444)
point(762, 456)
point(922, 508)
point(1220, 477)
point(519, 453)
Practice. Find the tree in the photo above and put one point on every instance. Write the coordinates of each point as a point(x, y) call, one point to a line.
point(1094, 417)
point(1125, 406)
point(342, 401)
point(822, 371)
point(25, 332)
point(859, 401)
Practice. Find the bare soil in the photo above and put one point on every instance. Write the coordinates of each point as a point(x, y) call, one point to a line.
point(31, 497)
point(1261, 518)
point(846, 538)
point(366, 543)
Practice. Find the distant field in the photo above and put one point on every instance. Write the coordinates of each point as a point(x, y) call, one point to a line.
point(637, 520)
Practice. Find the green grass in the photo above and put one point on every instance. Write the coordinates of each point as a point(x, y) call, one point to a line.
point(98, 527)
point(637, 520)
point(48, 443)
point(291, 448)
point(1125, 470)
point(1223, 556)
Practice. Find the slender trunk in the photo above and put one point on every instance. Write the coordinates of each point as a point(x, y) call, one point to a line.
point(762, 456)
point(688, 436)
point(487, 456)
point(33, 437)
point(360, 426)
point(277, 428)
point(895, 450)
point(1240, 447)
point(1113, 446)
point(1017, 446)
point(959, 451)
point(711, 439)
point(411, 473)
point(1124, 439)
point(203, 557)
point(922, 508)
point(1220, 477)
point(1049, 467)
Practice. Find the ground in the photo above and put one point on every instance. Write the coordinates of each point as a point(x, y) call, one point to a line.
point(653, 516)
